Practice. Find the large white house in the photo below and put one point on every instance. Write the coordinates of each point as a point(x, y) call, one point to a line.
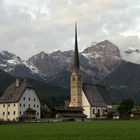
point(19, 101)
point(92, 98)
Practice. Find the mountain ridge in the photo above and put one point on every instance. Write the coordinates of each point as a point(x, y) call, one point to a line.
point(43, 66)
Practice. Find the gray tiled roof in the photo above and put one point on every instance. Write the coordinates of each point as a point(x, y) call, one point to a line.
point(94, 95)
point(12, 94)
point(104, 94)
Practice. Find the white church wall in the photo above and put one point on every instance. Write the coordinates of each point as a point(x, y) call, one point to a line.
point(86, 106)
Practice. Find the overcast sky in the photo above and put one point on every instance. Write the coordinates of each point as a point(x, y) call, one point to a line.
point(30, 26)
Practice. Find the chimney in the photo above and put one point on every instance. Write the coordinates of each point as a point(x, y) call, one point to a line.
point(17, 82)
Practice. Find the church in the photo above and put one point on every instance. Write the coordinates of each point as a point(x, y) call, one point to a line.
point(93, 99)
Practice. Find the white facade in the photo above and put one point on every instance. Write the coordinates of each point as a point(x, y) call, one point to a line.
point(12, 111)
point(89, 110)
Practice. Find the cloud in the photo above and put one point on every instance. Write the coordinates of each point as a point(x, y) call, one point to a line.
point(126, 42)
point(37, 25)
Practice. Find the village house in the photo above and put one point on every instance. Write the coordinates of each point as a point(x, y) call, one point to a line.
point(19, 102)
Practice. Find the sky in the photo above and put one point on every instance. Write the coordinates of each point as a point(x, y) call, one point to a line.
point(30, 26)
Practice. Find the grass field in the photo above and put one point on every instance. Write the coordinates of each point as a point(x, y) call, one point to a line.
point(87, 130)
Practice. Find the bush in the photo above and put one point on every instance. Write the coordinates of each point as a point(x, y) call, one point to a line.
point(125, 107)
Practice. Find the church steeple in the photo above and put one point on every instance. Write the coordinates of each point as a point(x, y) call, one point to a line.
point(76, 77)
point(76, 55)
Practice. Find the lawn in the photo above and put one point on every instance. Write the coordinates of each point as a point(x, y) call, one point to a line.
point(86, 130)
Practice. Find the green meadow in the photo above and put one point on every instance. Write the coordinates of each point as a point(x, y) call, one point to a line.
point(84, 130)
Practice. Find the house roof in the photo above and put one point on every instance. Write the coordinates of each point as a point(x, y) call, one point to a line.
point(69, 109)
point(95, 94)
point(12, 94)
point(75, 115)
point(104, 94)
point(70, 112)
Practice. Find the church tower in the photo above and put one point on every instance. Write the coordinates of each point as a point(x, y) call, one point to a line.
point(76, 78)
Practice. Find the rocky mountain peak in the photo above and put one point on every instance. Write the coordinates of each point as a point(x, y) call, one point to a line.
point(5, 55)
point(105, 47)
point(7, 59)
point(14, 65)
point(105, 56)
point(42, 54)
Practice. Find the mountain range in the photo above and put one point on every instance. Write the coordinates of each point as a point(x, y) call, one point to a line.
point(99, 63)
point(96, 61)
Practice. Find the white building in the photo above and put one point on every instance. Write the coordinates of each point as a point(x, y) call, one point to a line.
point(19, 101)
point(92, 98)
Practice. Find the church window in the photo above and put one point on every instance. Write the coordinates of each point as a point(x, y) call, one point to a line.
point(14, 112)
point(3, 113)
point(14, 105)
point(93, 111)
point(20, 105)
point(73, 79)
point(34, 99)
point(34, 106)
point(8, 112)
point(29, 99)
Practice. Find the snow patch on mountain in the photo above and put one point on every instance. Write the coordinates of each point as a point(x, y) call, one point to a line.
point(93, 55)
point(32, 67)
point(9, 61)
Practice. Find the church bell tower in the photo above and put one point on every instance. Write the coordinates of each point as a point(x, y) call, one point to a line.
point(76, 78)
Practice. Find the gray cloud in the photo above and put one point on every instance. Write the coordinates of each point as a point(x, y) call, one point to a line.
point(36, 25)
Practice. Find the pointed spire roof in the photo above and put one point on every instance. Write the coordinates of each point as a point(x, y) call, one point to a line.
point(76, 55)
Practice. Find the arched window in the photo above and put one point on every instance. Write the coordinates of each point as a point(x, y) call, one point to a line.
point(93, 111)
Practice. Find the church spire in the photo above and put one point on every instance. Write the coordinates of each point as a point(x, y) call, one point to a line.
point(76, 55)
point(76, 77)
